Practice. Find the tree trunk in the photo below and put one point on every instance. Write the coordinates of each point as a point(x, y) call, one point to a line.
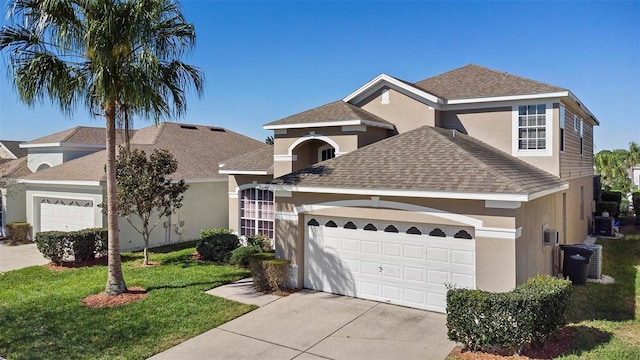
point(115, 280)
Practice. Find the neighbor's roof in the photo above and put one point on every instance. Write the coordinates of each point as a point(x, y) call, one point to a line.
point(474, 81)
point(78, 135)
point(14, 147)
point(338, 112)
point(198, 148)
point(429, 160)
point(259, 161)
point(15, 168)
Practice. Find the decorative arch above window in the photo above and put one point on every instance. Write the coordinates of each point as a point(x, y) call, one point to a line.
point(350, 225)
point(414, 231)
point(331, 223)
point(370, 227)
point(313, 222)
point(462, 234)
point(391, 229)
point(437, 232)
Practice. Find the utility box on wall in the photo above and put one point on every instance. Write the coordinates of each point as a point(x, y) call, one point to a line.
point(550, 237)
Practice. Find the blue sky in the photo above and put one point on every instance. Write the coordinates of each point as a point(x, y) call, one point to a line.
point(267, 60)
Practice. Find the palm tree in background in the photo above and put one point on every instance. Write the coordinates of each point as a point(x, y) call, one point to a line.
point(116, 58)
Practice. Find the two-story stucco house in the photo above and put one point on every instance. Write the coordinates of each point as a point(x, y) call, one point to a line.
point(400, 187)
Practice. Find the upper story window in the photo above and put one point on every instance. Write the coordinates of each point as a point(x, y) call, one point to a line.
point(581, 137)
point(256, 212)
point(562, 115)
point(532, 130)
point(326, 152)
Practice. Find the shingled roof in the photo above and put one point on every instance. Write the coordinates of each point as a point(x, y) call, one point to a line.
point(14, 147)
point(198, 148)
point(474, 81)
point(337, 111)
point(77, 135)
point(426, 159)
point(260, 160)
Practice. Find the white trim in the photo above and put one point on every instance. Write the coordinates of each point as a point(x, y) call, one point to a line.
point(313, 136)
point(2, 146)
point(63, 144)
point(384, 80)
point(243, 172)
point(549, 122)
point(385, 97)
point(328, 123)
point(419, 194)
point(233, 195)
point(284, 215)
point(508, 98)
point(392, 205)
point(285, 157)
point(204, 180)
point(495, 204)
point(60, 182)
point(499, 233)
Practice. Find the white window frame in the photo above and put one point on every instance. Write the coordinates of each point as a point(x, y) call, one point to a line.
point(385, 97)
point(323, 148)
point(256, 212)
point(563, 131)
point(549, 121)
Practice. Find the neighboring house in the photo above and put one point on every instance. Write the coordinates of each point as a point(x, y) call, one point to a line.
point(400, 187)
point(66, 192)
point(12, 165)
point(635, 176)
point(10, 150)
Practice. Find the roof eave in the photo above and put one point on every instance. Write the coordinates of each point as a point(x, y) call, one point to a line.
point(62, 144)
point(385, 80)
point(61, 182)
point(245, 172)
point(328, 123)
point(555, 94)
point(580, 104)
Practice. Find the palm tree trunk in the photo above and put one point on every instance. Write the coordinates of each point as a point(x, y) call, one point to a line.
point(115, 280)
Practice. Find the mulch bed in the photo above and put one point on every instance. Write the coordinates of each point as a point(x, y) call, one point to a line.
point(142, 265)
point(132, 294)
point(552, 348)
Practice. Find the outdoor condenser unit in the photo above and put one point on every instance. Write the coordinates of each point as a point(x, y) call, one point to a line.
point(550, 237)
point(595, 264)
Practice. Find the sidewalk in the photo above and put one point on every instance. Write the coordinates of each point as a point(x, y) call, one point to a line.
point(20, 256)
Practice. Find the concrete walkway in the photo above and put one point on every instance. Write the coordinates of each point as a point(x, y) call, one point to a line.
point(20, 256)
point(316, 325)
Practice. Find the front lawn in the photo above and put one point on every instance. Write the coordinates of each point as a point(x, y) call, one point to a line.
point(42, 317)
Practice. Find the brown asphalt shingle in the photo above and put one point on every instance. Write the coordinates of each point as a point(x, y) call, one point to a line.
point(474, 81)
point(13, 169)
point(197, 148)
point(259, 160)
point(335, 111)
point(78, 135)
point(14, 147)
point(426, 159)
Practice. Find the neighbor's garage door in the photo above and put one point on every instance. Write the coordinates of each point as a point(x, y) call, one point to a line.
point(66, 214)
point(399, 263)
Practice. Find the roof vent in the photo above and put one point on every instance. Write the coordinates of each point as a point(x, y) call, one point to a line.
point(454, 132)
point(189, 127)
point(218, 129)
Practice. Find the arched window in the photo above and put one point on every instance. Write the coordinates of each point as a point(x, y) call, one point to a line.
point(350, 225)
point(331, 223)
point(256, 212)
point(414, 231)
point(313, 222)
point(370, 227)
point(437, 232)
point(326, 152)
point(462, 234)
point(391, 229)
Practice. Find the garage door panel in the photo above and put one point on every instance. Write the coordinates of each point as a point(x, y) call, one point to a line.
point(66, 215)
point(398, 268)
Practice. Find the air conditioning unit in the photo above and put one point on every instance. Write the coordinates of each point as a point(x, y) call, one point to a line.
point(550, 237)
point(595, 264)
point(603, 226)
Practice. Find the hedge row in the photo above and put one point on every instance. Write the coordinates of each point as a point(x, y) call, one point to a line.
point(269, 274)
point(635, 199)
point(613, 208)
point(217, 244)
point(531, 312)
point(83, 245)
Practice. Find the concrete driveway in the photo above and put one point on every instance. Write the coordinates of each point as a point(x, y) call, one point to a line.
point(316, 325)
point(20, 256)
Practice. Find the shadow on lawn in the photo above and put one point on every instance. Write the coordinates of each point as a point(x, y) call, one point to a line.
point(586, 338)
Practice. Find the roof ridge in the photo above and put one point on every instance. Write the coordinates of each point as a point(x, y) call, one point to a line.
point(74, 129)
point(518, 76)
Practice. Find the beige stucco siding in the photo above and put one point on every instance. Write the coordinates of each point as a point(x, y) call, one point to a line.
point(404, 112)
point(579, 209)
point(495, 264)
point(14, 206)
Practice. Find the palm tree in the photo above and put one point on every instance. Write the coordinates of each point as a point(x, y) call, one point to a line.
point(118, 58)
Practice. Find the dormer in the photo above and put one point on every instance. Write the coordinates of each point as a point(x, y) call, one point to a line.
point(322, 133)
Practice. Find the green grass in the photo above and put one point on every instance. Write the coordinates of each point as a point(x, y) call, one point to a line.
point(605, 319)
point(42, 317)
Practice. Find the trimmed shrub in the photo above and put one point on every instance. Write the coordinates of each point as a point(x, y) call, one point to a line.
point(83, 245)
point(269, 274)
point(614, 196)
point(242, 255)
point(531, 312)
point(18, 232)
point(263, 241)
point(217, 244)
point(613, 208)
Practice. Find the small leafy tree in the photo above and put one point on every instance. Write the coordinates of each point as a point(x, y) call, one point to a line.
point(144, 189)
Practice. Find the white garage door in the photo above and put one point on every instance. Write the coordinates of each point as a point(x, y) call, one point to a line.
point(399, 263)
point(66, 214)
